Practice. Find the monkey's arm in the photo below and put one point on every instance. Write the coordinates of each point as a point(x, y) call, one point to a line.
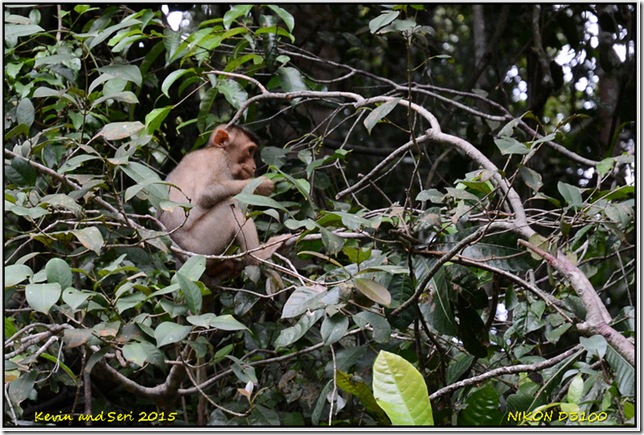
point(216, 193)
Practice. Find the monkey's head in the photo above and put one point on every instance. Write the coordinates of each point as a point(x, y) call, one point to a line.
point(240, 147)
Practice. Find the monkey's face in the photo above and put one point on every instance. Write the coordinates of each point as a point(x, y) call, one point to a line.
point(243, 157)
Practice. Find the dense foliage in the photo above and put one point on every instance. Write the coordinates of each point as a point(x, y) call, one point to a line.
point(458, 181)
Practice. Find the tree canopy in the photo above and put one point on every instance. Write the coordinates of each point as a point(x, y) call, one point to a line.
point(457, 181)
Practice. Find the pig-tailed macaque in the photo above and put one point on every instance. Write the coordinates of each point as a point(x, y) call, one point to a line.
point(208, 178)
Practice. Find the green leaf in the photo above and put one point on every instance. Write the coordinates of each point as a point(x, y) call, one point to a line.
point(23, 387)
point(234, 13)
point(575, 390)
point(624, 372)
point(571, 194)
point(75, 298)
point(126, 302)
point(130, 73)
point(333, 328)
point(127, 97)
point(191, 293)
point(379, 325)
point(121, 130)
point(332, 242)
point(41, 297)
point(25, 112)
point(382, 20)
point(379, 113)
point(154, 119)
point(274, 30)
point(400, 390)
point(136, 353)
point(291, 79)
point(15, 274)
point(259, 200)
point(75, 162)
point(31, 212)
point(149, 180)
point(233, 92)
point(106, 33)
point(170, 332)
point(441, 315)
point(284, 15)
point(91, 238)
point(353, 385)
point(483, 408)
point(290, 335)
point(56, 59)
point(531, 178)
point(301, 300)
point(173, 77)
point(605, 166)
point(58, 270)
point(12, 31)
point(509, 145)
point(459, 365)
point(193, 268)
point(225, 322)
point(595, 346)
point(373, 290)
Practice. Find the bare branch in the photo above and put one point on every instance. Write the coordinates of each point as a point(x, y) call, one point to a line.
point(519, 368)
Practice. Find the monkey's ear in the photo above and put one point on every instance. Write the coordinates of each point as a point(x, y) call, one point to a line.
point(219, 138)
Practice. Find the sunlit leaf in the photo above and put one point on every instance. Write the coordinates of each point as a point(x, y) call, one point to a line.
point(400, 390)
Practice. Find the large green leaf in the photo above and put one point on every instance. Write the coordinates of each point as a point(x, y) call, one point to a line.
point(41, 297)
point(400, 391)
point(58, 270)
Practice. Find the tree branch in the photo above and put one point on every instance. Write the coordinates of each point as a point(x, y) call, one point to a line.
point(597, 316)
point(519, 368)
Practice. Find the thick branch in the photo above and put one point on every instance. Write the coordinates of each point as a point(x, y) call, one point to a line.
point(164, 392)
point(597, 316)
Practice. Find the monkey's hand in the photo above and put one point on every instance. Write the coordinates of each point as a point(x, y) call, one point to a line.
point(266, 188)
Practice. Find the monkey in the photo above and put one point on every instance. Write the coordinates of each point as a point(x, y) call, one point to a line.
point(208, 179)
